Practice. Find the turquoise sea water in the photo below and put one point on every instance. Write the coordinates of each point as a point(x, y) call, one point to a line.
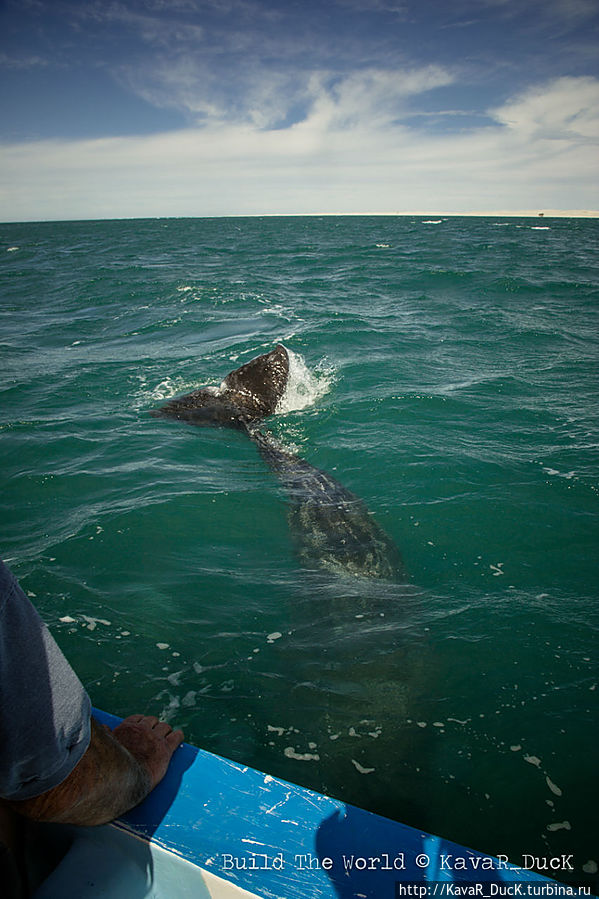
point(451, 383)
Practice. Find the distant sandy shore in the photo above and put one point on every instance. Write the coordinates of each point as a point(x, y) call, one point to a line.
point(536, 213)
point(544, 213)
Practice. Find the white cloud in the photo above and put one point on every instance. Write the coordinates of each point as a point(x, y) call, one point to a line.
point(373, 96)
point(346, 155)
point(567, 109)
point(270, 99)
point(194, 87)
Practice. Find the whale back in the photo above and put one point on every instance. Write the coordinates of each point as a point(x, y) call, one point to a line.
point(246, 396)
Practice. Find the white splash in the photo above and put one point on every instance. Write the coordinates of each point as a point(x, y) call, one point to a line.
point(304, 387)
point(167, 389)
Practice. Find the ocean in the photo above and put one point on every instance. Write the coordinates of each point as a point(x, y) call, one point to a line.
point(445, 372)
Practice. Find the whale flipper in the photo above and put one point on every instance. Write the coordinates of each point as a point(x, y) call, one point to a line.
point(246, 396)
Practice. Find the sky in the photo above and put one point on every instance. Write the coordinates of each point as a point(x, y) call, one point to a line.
point(148, 108)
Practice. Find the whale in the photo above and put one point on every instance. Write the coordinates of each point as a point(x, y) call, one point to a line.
point(333, 529)
point(352, 661)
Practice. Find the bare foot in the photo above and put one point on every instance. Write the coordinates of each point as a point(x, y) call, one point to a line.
point(150, 741)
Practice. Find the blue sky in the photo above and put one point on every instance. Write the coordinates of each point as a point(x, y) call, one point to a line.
point(218, 107)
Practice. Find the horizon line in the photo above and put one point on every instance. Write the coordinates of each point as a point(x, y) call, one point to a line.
point(548, 213)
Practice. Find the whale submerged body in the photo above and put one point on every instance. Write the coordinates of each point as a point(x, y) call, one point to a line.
point(333, 528)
